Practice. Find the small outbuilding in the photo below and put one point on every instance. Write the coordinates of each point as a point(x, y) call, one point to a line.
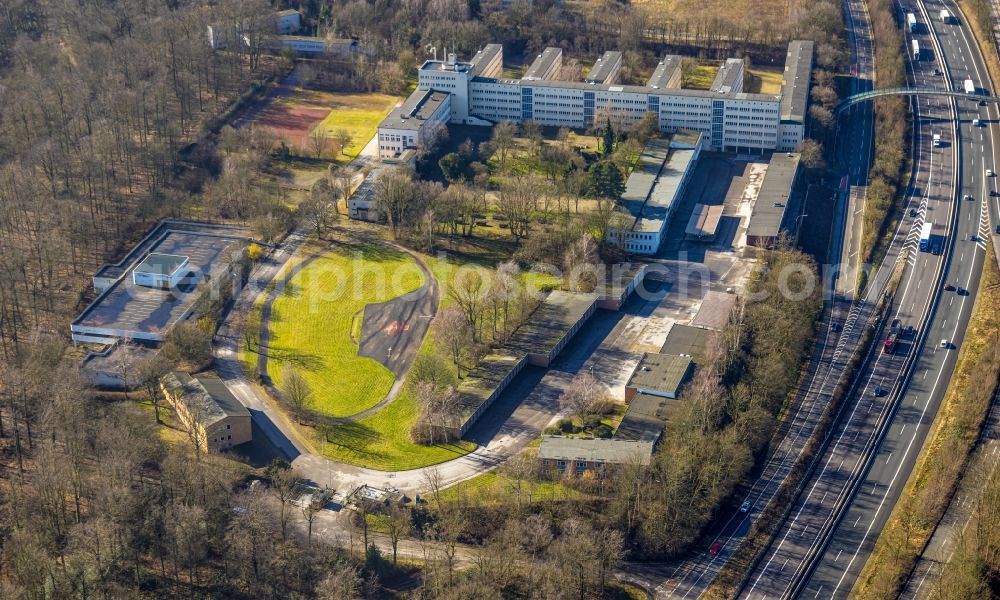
point(161, 271)
point(658, 375)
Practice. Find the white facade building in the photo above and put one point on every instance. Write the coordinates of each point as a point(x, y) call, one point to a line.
point(729, 119)
point(414, 124)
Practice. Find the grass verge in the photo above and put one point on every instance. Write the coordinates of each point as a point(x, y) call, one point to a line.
point(944, 456)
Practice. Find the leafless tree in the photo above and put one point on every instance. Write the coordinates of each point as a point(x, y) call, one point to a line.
point(319, 140)
point(517, 201)
point(296, 390)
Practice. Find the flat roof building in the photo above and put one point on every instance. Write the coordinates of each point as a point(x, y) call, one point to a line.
point(161, 271)
point(545, 66)
point(728, 118)
point(658, 375)
point(576, 456)
point(413, 125)
point(606, 70)
point(645, 418)
point(136, 304)
point(685, 340)
point(654, 189)
point(704, 222)
point(667, 74)
point(768, 216)
point(795, 92)
point(729, 78)
point(552, 325)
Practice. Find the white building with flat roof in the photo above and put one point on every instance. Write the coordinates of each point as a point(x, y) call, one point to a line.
point(728, 118)
point(414, 124)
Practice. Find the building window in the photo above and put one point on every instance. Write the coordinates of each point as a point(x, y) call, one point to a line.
point(580, 467)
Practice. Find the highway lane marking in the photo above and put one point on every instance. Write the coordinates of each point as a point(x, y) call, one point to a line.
point(818, 591)
point(839, 552)
point(857, 520)
point(887, 458)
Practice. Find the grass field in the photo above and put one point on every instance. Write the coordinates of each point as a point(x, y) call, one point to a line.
point(311, 324)
point(494, 487)
point(359, 114)
point(765, 81)
point(701, 77)
point(382, 440)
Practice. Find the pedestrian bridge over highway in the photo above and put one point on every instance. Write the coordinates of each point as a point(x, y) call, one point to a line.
point(910, 91)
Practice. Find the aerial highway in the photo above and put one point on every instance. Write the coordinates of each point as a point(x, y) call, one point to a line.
point(841, 331)
point(822, 548)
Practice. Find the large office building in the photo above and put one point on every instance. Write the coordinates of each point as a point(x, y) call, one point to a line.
point(729, 118)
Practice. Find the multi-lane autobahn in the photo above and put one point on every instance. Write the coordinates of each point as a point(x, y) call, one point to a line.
point(822, 548)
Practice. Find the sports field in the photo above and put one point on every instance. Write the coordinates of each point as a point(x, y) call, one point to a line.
point(296, 112)
point(359, 115)
point(311, 324)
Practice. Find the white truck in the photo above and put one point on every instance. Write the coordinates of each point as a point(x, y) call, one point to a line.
point(945, 16)
point(970, 88)
point(916, 50)
point(911, 22)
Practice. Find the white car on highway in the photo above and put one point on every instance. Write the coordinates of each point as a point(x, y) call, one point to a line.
point(989, 172)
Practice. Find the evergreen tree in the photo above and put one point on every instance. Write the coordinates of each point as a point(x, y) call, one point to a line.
point(605, 180)
point(608, 137)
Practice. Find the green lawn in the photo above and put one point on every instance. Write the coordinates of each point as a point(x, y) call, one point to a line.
point(382, 440)
point(701, 77)
point(311, 325)
point(360, 115)
point(494, 487)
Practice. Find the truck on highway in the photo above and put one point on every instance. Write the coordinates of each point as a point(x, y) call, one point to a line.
point(970, 88)
point(911, 22)
point(925, 237)
point(937, 140)
point(916, 50)
point(945, 16)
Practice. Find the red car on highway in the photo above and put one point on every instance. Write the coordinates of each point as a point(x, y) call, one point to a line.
point(714, 549)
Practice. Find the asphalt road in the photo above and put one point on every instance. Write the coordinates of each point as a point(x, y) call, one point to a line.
point(857, 518)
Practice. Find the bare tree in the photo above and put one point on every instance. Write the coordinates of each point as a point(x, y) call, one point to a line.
point(319, 210)
point(319, 140)
point(296, 390)
point(398, 525)
point(124, 358)
point(393, 192)
point(148, 374)
point(584, 394)
point(452, 331)
point(517, 201)
point(468, 291)
point(504, 140)
point(343, 139)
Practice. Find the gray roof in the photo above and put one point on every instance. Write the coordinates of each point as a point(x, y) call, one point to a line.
point(704, 221)
point(484, 57)
point(796, 80)
point(729, 76)
point(543, 63)
point(477, 387)
point(645, 418)
point(287, 12)
point(207, 397)
point(550, 322)
point(606, 66)
point(667, 73)
point(595, 450)
point(768, 213)
point(685, 339)
point(136, 309)
point(116, 270)
point(660, 372)
point(161, 264)
point(415, 111)
point(652, 187)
